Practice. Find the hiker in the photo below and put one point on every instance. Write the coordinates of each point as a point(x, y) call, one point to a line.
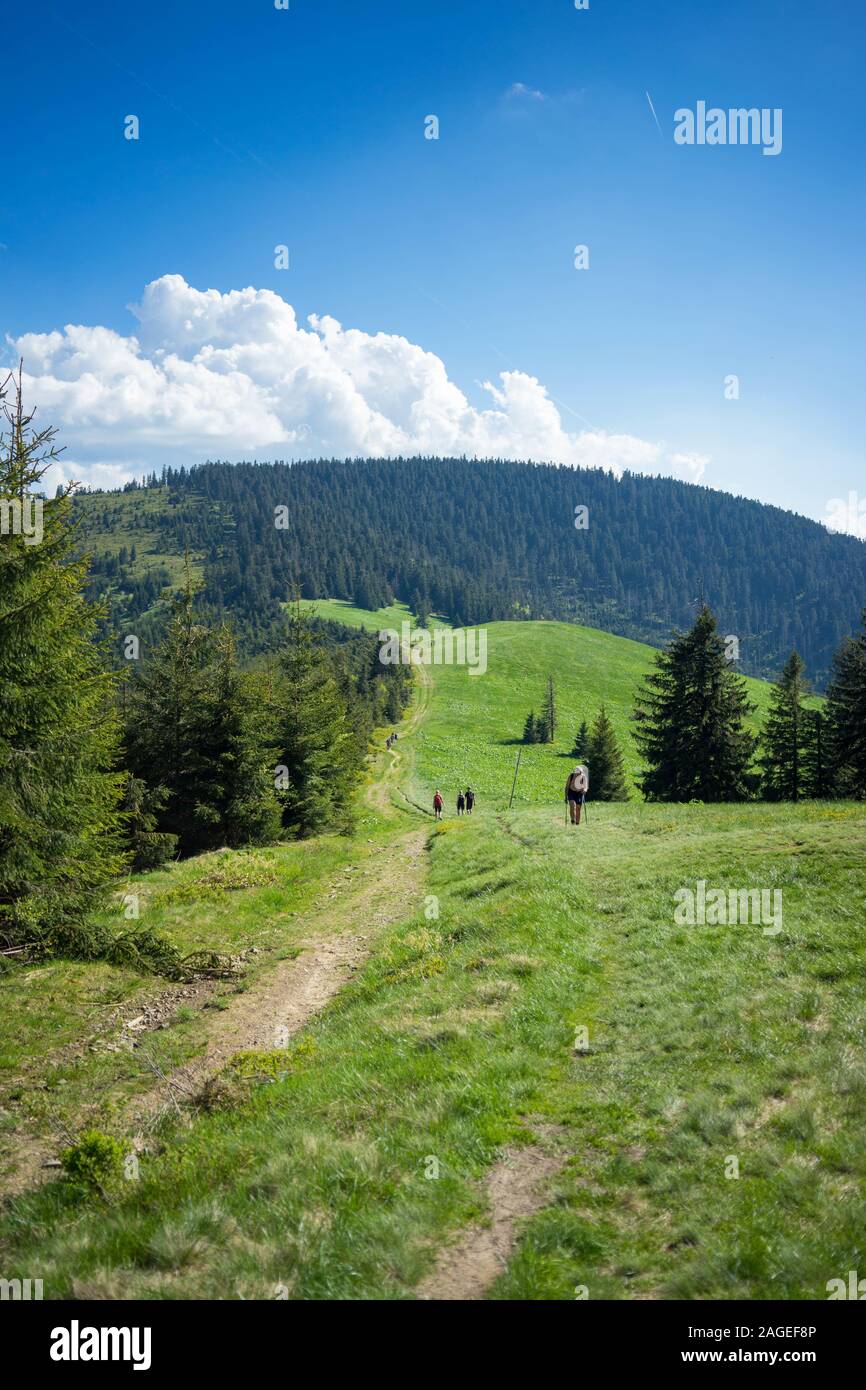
point(437, 805)
point(575, 791)
point(470, 800)
point(461, 803)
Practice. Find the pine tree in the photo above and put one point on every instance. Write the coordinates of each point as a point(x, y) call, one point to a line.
point(316, 745)
point(550, 718)
point(607, 780)
point(60, 828)
point(690, 721)
point(141, 805)
point(163, 709)
point(846, 716)
point(581, 742)
point(530, 728)
point(785, 733)
point(420, 607)
point(194, 730)
point(815, 765)
point(236, 761)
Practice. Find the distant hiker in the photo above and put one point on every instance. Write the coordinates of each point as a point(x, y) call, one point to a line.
point(575, 791)
point(461, 803)
point(470, 800)
point(437, 805)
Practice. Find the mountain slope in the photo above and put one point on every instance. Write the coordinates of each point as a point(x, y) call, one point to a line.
point(540, 1009)
point(482, 541)
point(473, 730)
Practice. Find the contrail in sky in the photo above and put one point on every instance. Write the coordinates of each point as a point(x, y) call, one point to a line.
point(655, 117)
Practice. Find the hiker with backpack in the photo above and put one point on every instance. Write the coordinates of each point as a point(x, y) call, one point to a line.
point(576, 789)
point(437, 805)
point(470, 800)
point(461, 803)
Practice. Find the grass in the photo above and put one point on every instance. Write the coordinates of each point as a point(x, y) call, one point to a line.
point(60, 1055)
point(133, 519)
point(475, 726)
point(336, 610)
point(705, 1043)
point(711, 1050)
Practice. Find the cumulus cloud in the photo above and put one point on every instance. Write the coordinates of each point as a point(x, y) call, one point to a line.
point(212, 375)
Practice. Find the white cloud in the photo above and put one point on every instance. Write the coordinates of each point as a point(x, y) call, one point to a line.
point(520, 89)
point(234, 376)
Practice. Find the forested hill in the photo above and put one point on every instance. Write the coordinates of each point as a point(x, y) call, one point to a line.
point(479, 541)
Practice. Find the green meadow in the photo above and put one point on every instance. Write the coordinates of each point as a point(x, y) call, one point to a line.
point(699, 1089)
point(473, 731)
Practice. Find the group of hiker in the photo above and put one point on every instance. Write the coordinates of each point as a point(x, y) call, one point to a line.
point(465, 803)
point(390, 741)
point(576, 788)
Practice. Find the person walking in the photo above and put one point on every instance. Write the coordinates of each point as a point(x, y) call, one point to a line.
point(461, 803)
point(470, 800)
point(437, 805)
point(576, 787)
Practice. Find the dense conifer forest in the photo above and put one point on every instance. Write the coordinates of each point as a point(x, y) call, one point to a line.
point(479, 541)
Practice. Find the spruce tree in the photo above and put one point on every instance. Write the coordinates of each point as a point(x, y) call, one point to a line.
point(581, 742)
point(607, 781)
point(551, 721)
point(141, 804)
point(316, 746)
point(785, 735)
point(163, 707)
point(846, 716)
point(815, 765)
point(690, 721)
point(195, 731)
point(421, 609)
point(60, 828)
point(530, 728)
point(235, 756)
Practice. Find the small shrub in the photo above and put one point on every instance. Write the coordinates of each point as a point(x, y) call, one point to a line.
point(152, 849)
point(95, 1163)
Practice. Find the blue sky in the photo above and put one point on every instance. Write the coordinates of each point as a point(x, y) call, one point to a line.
point(305, 127)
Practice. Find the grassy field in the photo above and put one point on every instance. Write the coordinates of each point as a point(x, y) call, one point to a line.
point(704, 1044)
point(695, 1092)
point(475, 725)
point(337, 610)
point(108, 522)
point(61, 1059)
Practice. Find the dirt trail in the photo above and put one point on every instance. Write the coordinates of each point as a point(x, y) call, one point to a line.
point(517, 1186)
point(284, 1000)
point(388, 791)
